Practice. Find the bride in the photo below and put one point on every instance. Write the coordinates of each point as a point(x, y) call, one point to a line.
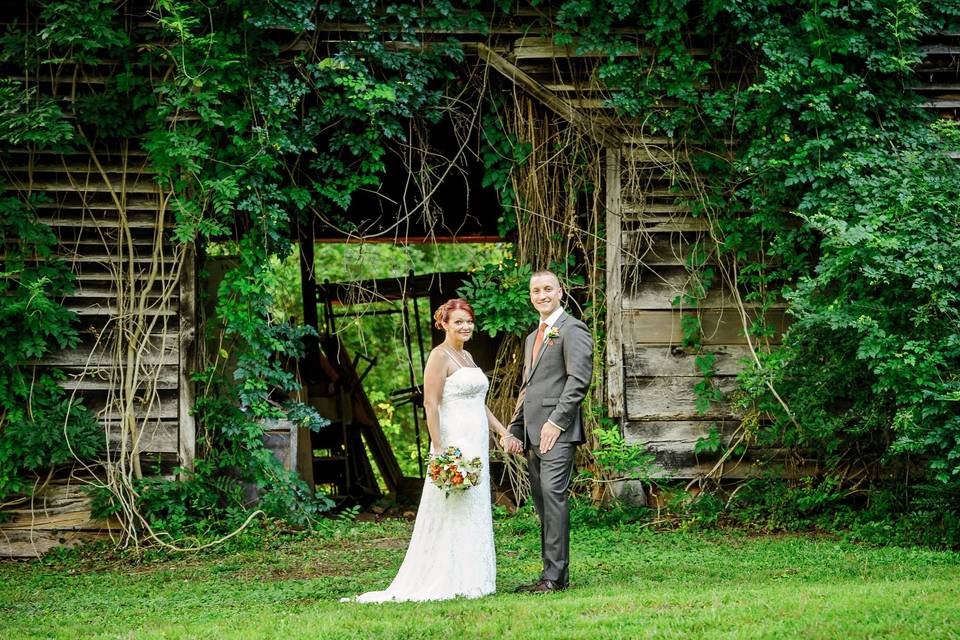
point(451, 551)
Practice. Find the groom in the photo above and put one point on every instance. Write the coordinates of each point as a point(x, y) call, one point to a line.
point(547, 425)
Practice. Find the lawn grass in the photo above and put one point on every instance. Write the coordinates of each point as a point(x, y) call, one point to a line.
point(628, 582)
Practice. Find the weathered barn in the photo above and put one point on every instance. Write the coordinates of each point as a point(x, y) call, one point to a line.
point(137, 289)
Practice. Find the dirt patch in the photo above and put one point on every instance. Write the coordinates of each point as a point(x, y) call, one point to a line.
point(319, 570)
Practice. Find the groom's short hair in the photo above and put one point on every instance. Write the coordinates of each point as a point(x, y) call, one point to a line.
point(546, 272)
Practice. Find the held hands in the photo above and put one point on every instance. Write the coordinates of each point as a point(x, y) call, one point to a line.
point(511, 444)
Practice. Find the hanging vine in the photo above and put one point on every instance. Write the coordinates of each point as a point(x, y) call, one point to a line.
point(823, 186)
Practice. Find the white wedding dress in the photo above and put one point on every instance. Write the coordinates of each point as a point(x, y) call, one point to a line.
point(451, 551)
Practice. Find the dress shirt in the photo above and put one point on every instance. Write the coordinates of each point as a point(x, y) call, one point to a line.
point(551, 320)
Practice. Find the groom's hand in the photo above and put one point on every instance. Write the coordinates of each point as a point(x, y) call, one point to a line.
point(548, 436)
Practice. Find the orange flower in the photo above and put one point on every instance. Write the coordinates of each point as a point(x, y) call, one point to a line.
point(457, 479)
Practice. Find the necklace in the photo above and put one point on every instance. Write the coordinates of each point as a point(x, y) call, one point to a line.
point(459, 358)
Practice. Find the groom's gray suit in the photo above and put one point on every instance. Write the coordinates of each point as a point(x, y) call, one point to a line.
point(554, 385)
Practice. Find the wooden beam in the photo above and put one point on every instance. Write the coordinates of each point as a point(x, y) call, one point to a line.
point(549, 99)
point(616, 405)
point(308, 289)
point(187, 436)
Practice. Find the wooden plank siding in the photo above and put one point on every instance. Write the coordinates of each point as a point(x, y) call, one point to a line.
point(655, 378)
point(658, 236)
point(650, 237)
point(57, 516)
point(113, 233)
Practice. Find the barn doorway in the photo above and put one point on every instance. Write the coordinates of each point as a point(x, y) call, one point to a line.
point(375, 328)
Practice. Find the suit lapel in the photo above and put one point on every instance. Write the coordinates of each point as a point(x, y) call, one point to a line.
point(527, 352)
point(543, 348)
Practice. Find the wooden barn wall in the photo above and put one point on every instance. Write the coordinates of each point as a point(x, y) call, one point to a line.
point(113, 229)
point(650, 377)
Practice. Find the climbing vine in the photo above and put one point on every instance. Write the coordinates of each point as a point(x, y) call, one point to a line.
point(247, 137)
point(823, 184)
point(41, 426)
point(837, 197)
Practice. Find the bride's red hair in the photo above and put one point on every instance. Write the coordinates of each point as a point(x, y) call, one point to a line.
point(442, 314)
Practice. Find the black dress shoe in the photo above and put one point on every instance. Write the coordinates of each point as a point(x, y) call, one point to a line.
point(548, 586)
point(527, 588)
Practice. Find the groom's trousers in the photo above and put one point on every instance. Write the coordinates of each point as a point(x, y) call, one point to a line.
point(550, 476)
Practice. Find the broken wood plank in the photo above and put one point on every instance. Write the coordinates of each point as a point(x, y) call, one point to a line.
point(718, 326)
point(674, 398)
point(161, 349)
point(110, 309)
point(27, 543)
point(104, 222)
point(645, 208)
point(81, 167)
point(660, 361)
point(102, 379)
point(661, 249)
point(88, 187)
point(155, 436)
point(532, 47)
point(657, 288)
point(667, 224)
point(162, 408)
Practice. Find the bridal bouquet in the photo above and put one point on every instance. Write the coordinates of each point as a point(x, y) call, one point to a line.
point(450, 472)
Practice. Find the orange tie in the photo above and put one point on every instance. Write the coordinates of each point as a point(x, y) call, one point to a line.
point(538, 342)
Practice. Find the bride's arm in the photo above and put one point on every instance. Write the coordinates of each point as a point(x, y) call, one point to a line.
point(495, 425)
point(505, 436)
point(434, 376)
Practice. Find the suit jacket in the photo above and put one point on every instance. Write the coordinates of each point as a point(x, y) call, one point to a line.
point(555, 384)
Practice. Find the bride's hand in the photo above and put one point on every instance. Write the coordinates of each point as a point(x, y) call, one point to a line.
point(510, 443)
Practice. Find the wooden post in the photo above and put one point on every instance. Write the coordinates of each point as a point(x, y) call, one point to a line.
point(615, 395)
point(308, 289)
point(408, 339)
point(187, 351)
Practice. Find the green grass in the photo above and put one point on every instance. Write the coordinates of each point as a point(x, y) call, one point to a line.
point(628, 582)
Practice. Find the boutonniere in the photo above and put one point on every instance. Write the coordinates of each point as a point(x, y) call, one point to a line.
point(552, 334)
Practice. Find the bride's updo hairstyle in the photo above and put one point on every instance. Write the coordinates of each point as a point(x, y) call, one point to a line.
point(442, 314)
